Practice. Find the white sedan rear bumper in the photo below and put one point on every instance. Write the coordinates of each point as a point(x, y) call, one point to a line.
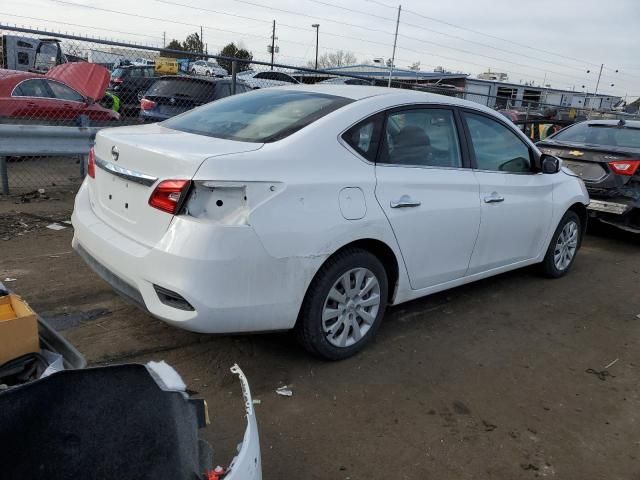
point(223, 272)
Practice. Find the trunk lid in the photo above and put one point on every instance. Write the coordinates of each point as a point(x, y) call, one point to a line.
point(589, 162)
point(130, 161)
point(89, 79)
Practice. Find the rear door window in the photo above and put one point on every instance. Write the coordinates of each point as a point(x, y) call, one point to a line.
point(33, 88)
point(424, 137)
point(260, 116)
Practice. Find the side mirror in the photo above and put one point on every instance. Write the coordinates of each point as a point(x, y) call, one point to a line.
point(549, 164)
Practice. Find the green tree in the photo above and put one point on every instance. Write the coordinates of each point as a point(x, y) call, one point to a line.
point(172, 45)
point(193, 43)
point(231, 50)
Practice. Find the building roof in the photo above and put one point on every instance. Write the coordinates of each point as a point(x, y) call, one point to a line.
point(381, 72)
point(545, 89)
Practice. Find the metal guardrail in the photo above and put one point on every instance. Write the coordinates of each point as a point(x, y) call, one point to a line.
point(39, 140)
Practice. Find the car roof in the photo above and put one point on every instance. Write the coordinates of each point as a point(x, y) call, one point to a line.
point(401, 95)
point(183, 78)
point(10, 78)
point(627, 123)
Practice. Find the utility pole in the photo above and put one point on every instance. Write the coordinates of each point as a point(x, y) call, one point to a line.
point(595, 93)
point(164, 39)
point(201, 40)
point(317, 27)
point(395, 41)
point(273, 43)
point(598, 82)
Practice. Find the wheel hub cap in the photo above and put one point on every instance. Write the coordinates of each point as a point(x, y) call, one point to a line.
point(566, 246)
point(351, 307)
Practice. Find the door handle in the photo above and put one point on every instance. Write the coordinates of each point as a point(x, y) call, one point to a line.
point(495, 197)
point(405, 202)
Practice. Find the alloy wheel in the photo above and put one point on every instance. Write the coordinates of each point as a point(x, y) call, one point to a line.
point(351, 307)
point(566, 246)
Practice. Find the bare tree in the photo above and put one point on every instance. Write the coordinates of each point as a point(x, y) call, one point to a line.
point(339, 58)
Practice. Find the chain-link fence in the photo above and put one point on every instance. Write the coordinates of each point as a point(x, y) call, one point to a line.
point(66, 80)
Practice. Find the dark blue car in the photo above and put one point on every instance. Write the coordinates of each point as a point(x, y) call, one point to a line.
point(173, 95)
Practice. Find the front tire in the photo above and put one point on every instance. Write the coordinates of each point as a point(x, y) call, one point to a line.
point(563, 247)
point(344, 305)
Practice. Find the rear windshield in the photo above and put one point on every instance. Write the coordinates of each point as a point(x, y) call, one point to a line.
point(260, 116)
point(118, 72)
point(605, 135)
point(182, 89)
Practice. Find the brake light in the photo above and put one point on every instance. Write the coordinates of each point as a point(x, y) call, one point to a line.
point(624, 167)
point(168, 195)
point(146, 104)
point(91, 163)
point(117, 80)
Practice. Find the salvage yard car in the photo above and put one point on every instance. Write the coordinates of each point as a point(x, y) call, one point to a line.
point(66, 92)
point(172, 95)
point(314, 207)
point(208, 68)
point(267, 78)
point(606, 155)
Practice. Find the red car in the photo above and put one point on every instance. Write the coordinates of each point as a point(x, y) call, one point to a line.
point(64, 93)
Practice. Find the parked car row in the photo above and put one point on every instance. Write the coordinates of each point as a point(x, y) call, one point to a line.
point(65, 92)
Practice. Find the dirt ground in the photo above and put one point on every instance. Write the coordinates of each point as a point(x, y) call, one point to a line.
point(484, 381)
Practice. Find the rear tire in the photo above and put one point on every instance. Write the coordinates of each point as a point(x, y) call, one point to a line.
point(563, 247)
point(344, 305)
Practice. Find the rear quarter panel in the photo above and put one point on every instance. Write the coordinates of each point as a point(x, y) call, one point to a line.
point(302, 219)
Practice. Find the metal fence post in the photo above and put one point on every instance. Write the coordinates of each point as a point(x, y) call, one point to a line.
point(234, 74)
point(4, 175)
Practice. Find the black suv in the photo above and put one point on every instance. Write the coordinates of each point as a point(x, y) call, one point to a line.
point(172, 95)
point(129, 83)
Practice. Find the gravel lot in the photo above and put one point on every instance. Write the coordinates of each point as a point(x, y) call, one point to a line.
point(484, 381)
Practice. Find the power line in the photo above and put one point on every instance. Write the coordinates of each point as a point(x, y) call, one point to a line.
point(352, 10)
point(477, 32)
point(146, 17)
point(78, 25)
point(290, 26)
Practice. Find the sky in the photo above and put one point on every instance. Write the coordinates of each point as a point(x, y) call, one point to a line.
point(545, 41)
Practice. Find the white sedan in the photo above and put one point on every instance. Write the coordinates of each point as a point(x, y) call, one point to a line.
point(314, 207)
point(266, 78)
point(208, 68)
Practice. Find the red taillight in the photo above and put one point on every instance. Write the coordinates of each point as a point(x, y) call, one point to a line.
point(168, 195)
point(146, 104)
point(117, 80)
point(91, 163)
point(624, 167)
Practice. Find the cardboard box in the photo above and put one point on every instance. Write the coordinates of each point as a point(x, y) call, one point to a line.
point(18, 328)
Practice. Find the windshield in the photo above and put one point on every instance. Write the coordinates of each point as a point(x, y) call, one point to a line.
point(118, 72)
point(262, 116)
point(598, 134)
point(188, 89)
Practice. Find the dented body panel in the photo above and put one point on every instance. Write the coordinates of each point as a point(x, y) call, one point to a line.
point(261, 219)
